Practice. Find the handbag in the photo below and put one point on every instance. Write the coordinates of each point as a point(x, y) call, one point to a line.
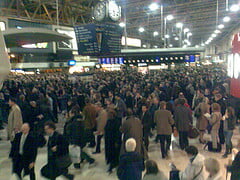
point(63, 162)
point(193, 132)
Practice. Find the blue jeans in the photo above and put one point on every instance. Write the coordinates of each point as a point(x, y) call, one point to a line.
point(228, 136)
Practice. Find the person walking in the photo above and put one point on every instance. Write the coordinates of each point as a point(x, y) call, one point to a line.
point(164, 122)
point(183, 119)
point(58, 154)
point(24, 152)
point(14, 119)
point(229, 122)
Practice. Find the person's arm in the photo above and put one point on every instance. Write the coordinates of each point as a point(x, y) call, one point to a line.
point(170, 119)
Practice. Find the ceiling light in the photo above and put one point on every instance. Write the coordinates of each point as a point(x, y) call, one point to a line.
point(214, 35)
point(153, 6)
point(141, 29)
point(155, 46)
point(155, 33)
point(184, 46)
point(220, 26)
point(176, 38)
point(179, 25)
point(197, 46)
point(189, 34)
point(202, 44)
point(234, 8)
point(226, 19)
point(217, 31)
point(170, 17)
point(144, 46)
point(122, 24)
point(167, 36)
point(170, 45)
point(210, 39)
point(186, 30)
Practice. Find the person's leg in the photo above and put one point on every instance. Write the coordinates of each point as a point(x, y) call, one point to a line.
point(66, 174)
point(168, 139)
point(214, 135)
point(181, 140)
point(146, 139)
point(29, 172)
point(162, 145)
point(18, 167)
point(98, 147)
point(186, 143)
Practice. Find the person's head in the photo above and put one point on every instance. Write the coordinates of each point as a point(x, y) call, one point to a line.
point(151, 167)
point(230, 112)
point(12, 101)
point(218, 96)
point(163, 105)
point(22, 97)
point(49, 127)
point(130, 145)
point(110, 94)
point(144, 108)
point(33, 103)
point(181, 95)
point(155, 100)
point(129, 112)
point(181, 101)
point(212, 166)
point(216, 107)
point(25, 128)
point(191, 151)
point(98, 106)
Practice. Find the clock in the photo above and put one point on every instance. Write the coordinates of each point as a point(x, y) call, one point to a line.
point(99, 11)
point(114, 11)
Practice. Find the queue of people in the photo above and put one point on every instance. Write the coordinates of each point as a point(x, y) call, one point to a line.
point(119, 106)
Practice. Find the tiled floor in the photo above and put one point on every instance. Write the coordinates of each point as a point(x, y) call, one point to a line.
point(98, 172)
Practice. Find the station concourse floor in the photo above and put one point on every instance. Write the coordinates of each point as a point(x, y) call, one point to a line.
point(98, 171)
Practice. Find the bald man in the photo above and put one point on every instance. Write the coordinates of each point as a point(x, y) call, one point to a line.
point(24, 152)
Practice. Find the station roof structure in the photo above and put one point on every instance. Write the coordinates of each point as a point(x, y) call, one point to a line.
point(200, 17)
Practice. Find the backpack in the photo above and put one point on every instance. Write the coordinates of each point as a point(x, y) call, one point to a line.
point(210, 148)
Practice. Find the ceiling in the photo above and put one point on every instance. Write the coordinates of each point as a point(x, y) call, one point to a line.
point(197, 15)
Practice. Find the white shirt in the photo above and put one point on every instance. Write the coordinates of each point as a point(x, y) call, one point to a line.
point(22, 141)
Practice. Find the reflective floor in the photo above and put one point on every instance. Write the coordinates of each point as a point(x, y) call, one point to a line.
point(98, 172)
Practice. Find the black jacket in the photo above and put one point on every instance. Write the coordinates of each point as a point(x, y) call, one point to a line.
point(62, 145)
point(231, 122)
point(234, 168)
point(146, 121)
point(29, 148)
point(75, 131)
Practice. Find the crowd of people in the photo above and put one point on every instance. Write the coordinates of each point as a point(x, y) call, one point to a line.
point(124, 108)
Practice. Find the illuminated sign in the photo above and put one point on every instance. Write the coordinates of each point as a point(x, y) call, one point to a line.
point(36, 46)
point(72, 62)
point(132, 42)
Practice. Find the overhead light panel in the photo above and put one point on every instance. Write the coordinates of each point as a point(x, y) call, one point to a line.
point(176, 38)
point(155, 33)
point(167, 36)
point(170, 45)
point(141, 29)
point(122, 24)
point(226, 19)
point(189, 34)
point(153, 6)
point(217, 31)
point(220, 26)
point(179, 25)
point(234, 8)
point(214, 35)
point(186, 30)
point(170, 17)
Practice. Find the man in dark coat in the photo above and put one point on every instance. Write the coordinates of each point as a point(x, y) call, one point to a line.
point(146, 119)
point(57, 149)
point(24, 152)
point(234, 168)
point(182, 118)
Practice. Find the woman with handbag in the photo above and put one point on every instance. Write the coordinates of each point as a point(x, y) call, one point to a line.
point(214, 121)
point(229, 120)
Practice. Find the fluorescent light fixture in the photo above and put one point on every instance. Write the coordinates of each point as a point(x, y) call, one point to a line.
point(184, 46)
point(141, 29)
point(144, 46)
point(186, 30)
point(18, 27)
point(170, 17)
point(202, 44)
point(167, 36)
point(214, 35)
point(153, 6)
point(210, 39)
point(197, 46)
point(179, 25)
point(234, 8)
point(170, 45)
point(220, 26)
point(189, 34)
point(226, 19)
point(176, 38)
point(155, 46)
point(217, 31)
point(155, 33)
point(122, 24)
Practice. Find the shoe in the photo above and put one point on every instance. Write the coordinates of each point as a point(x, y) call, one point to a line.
point(69, 176)
point(77, 165)
point(96, 152)
point(1, 128)
point(224, 156)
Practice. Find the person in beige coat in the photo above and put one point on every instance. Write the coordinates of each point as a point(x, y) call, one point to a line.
point(101, 123)
point(14, 119)
point(164, 122)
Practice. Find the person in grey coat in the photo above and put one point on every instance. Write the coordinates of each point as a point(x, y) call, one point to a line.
point(183, 119)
